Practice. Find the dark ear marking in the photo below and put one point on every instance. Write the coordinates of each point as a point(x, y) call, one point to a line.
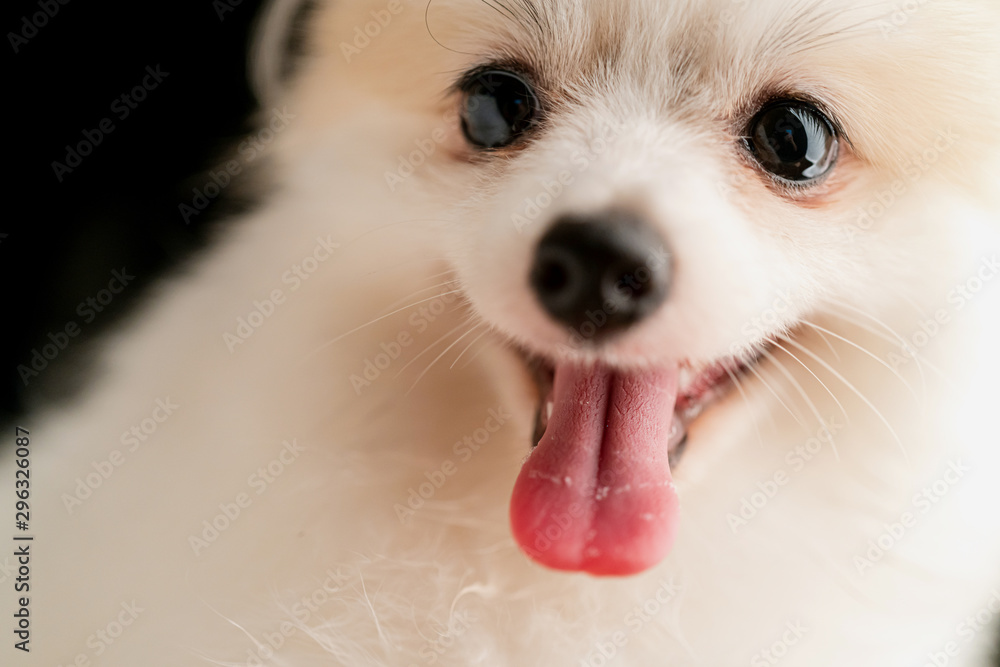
point(278, 42)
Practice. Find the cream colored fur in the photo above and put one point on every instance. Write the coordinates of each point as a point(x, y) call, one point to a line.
point(444, 584)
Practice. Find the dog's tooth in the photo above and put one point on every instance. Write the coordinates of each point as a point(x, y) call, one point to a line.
point(678, 432)
point(548, 409)
point(692, 411)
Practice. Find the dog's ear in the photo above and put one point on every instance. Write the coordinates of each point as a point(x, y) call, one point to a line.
point(277, 41)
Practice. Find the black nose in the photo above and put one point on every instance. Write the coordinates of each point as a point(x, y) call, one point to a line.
point(609, 270)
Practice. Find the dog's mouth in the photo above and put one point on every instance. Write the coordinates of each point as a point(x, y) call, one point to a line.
point(596, 493)
point(698, 387)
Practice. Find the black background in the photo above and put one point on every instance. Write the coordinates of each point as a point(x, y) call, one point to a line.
point(120, 206)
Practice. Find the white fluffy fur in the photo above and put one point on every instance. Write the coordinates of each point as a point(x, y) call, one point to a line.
point(676, 80)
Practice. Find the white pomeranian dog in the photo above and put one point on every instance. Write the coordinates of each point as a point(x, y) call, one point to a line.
point(621, 332)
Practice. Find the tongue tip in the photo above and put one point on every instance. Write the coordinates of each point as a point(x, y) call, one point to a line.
point(602, 565)
point(569, 558)
point(621, 547)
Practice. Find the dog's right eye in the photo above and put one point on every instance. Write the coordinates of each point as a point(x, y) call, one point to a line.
point(793, 141)
point(497, 109)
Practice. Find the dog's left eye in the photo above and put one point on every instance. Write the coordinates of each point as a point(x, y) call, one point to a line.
point(793, 141)
point(498, 108)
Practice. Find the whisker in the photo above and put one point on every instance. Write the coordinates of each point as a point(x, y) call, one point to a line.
point(438, 275)
point(773, 393)
point(892, 337)
point(434, 259)
point(909, 349)
point(377, 319)
point(739, 387)
point(869, 353)
point(462, 353)
point(836, 355)
point(810, 371)
point(850, 386)
point(397, 302)
point(437, 358)
point(896, 338)
point(795, 383)
point(503, 344)
point(429, 348)
point(907, 299)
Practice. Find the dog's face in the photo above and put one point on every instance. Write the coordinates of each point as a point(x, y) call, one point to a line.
point(642, 195)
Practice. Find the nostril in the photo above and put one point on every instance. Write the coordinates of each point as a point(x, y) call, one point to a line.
point(599, 264)
point(553, 276)
point(558, 277)
point(627, 283)
point(634, 290)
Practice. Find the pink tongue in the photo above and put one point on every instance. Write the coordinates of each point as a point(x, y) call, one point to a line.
point(596, 494)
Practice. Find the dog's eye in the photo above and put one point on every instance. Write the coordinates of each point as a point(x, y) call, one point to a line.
point(498, 107)
point(793, 141)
